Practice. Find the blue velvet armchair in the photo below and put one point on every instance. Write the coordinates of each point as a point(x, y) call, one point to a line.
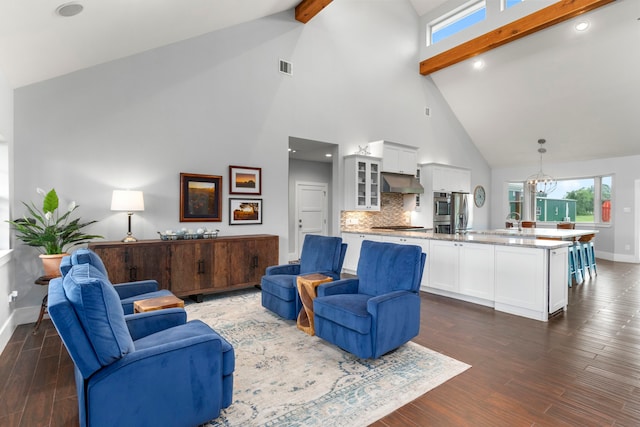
point(150, 368)
point(129, 292)
point(320, 254)
point(380, 309)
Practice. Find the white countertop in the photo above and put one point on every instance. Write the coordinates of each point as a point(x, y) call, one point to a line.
point(493, 237)
point(537, 233)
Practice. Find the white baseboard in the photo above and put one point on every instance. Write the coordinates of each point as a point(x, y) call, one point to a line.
point(617, 257)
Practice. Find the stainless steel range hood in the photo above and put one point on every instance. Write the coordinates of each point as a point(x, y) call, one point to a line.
point(398, 183)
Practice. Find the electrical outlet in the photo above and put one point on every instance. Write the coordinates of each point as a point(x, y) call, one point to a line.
point(352, 221)
point(627, 247)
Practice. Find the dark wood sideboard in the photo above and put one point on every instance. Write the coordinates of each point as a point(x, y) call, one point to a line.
point(191, 267)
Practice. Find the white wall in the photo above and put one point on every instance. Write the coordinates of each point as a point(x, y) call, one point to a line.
point(217, 100)
point(612, 240)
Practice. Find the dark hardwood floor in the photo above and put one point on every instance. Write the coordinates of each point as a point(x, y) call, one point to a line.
point(582, 368)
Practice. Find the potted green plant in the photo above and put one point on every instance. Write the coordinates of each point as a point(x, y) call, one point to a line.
point(51, 232)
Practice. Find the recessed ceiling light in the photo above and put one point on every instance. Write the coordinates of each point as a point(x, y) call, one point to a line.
point(478, 64)
point(582, 25)
point(69, 9)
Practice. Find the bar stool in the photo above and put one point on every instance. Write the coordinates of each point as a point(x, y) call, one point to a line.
point(588, 255)
point(575, 268)
point(575, 273)
point(581, 265)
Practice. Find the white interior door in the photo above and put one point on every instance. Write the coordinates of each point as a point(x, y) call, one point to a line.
point(311, 211)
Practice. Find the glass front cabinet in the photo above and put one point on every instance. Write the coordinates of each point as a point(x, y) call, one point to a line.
point(362, 183)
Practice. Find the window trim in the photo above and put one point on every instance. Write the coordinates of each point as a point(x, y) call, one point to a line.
point(457, 14)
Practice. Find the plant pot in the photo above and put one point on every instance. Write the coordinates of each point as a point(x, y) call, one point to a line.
point(51, 265)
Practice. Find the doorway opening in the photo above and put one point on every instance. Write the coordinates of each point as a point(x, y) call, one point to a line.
point(313, 179)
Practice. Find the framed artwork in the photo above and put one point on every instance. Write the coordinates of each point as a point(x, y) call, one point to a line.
point(200, 197)
point(245, 180)
point(245, 211)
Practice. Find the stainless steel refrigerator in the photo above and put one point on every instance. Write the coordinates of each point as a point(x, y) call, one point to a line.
point(461, 213)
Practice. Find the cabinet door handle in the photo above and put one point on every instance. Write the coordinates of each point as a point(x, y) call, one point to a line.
point(254, 263)
point(133, 274)
point(201, 266)
point(126, 257)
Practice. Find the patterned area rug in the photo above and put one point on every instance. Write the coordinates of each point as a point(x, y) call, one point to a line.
point(284, 377)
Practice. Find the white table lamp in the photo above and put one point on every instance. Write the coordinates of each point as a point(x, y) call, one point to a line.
point(128, 201)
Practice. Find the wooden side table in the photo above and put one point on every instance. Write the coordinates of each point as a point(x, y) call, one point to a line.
point(42, 281)
point(307, 290)
point(158, 303)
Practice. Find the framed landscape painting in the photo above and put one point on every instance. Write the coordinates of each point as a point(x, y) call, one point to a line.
point(200, 197)
point(245, 211)
point(245, 180)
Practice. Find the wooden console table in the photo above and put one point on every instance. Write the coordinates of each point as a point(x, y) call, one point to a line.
point(191, 267)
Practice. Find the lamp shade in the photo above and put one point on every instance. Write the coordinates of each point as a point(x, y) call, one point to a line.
point(125, 200)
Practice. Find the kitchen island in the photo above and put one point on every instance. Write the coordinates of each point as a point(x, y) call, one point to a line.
point(514, 273)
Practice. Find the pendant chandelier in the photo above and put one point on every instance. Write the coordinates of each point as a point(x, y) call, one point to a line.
point(543, 183)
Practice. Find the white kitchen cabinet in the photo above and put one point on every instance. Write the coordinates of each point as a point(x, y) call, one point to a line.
point(447, 179)
point(531, 282)
point(558, 289)
point(477, 270)
point(520, 272)
point(396, 158)
point(463, 268)
point(444, 265)
point(354, 244)
point(362, 183)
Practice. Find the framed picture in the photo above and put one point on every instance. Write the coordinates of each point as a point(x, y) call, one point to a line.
point(245, 180)
point(200, 197)
point(245, 211)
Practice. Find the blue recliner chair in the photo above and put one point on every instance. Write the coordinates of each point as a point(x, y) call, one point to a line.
point(129, 292)
point(152, 369)
point(380, 309)
point(320, 254)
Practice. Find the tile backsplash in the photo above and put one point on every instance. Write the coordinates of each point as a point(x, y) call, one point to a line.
point(392, 212)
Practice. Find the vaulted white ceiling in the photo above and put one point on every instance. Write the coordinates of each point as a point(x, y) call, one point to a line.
point(579, 91)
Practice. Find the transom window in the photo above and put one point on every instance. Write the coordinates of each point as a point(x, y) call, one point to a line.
point(455, 21)
point(582, 200)
point(506, 4)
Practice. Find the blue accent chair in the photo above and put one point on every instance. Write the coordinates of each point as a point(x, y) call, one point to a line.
point(151, 368)
point(320, 254)
point(129, 292)
point(379, 310)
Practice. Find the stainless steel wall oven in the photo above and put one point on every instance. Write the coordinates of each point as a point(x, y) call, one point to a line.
point(442, 212)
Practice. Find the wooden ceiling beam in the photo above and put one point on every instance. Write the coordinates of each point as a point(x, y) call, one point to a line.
point(543, 18)
point(307, 9)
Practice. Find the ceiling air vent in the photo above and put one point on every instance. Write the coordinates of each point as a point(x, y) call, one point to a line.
point(285, 67)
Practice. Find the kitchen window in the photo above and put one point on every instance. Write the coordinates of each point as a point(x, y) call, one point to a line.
point(579, 200)
point(455, 21)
